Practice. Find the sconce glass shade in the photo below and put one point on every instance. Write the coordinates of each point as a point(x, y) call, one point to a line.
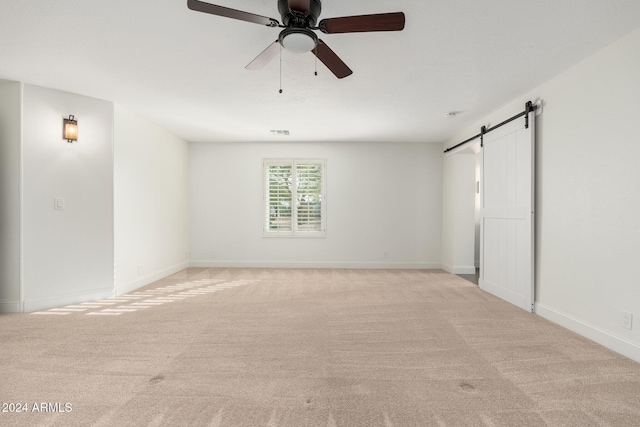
point(70, 129)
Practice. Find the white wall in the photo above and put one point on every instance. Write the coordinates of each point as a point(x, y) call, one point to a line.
point(588, 209)
point(68, 254)
point(381, 197)
point(458, 213)
point(151, 202)
point(477, 209)
point(10, 158)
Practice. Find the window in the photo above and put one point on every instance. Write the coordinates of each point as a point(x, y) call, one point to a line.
point(294, 197)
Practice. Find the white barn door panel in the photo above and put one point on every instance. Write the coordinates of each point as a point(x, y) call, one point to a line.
point(507, 223)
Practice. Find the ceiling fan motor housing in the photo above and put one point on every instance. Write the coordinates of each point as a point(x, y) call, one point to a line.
point(292, 18)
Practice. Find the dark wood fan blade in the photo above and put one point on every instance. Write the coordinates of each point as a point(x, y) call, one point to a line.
point(265, 57)
point(331, 60)
point(200, 6)
point(301, 6)
point(363, 23)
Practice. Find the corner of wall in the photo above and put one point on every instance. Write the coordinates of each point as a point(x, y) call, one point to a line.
point(10, 196)
point(149, 278)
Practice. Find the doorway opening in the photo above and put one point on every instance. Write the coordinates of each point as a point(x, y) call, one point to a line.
point(472, 168)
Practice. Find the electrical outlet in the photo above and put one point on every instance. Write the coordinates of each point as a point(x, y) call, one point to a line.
point(385, 255)
point(626, 320)
point(140, 270)
point(58, 204)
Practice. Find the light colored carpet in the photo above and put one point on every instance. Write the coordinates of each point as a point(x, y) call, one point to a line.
point(295, 348)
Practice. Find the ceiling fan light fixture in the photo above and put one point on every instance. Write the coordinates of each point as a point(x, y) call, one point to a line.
point(299, 18)
point(298, 40)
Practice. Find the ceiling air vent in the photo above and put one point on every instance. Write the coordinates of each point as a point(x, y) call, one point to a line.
point(280, 132)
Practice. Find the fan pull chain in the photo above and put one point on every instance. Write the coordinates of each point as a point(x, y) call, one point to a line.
point(315, 51)
point(280, 70)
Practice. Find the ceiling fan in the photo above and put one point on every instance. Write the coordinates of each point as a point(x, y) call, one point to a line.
point(299, 19)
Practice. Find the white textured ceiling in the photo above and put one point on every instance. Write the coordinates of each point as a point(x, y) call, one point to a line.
point(185, 70)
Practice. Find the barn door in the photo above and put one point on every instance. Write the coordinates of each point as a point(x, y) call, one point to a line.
point(507, 223)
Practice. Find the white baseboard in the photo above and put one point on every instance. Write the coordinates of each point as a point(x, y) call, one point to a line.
point(80, 297)
point(68, 299)
point(149, 278)
point(459, 269)
point(608, 339)
point(9, 307)
point(464, 269)
point(329, 264)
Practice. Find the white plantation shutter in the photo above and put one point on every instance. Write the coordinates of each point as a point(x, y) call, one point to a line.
point(279, 182)
point(294, 195)
point(309, 197)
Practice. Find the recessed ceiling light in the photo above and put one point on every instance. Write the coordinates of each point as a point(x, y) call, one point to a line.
point(451, 114)
point(280, 132)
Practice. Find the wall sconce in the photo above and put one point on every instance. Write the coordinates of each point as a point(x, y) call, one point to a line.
point(70, 129)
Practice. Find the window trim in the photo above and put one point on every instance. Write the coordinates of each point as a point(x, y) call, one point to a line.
point(294, 162)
